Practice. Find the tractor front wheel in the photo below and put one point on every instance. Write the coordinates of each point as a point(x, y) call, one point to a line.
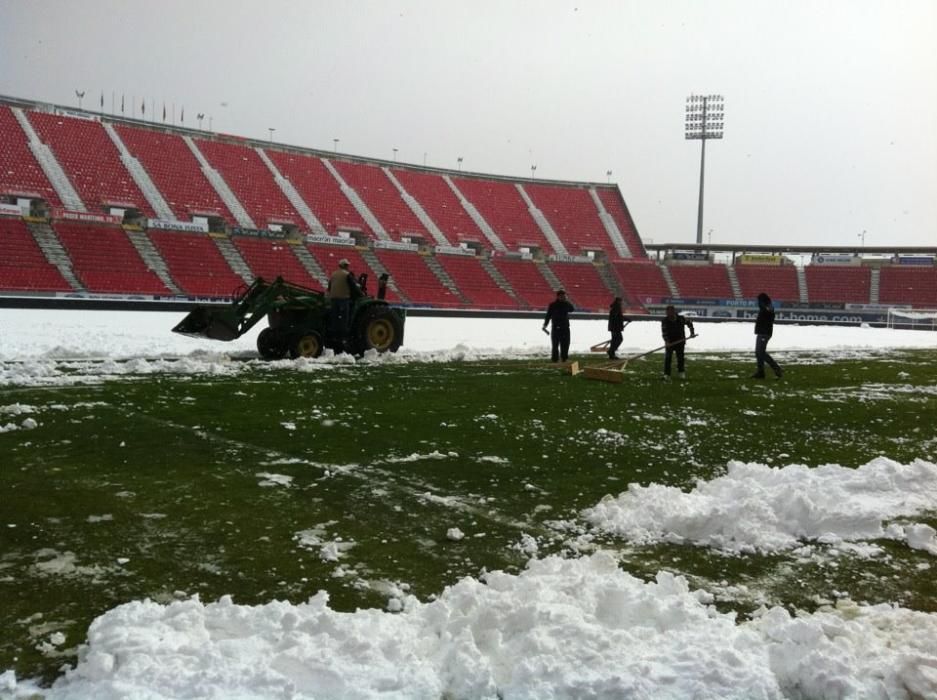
point(307, 344)
point(271, 344)
point(379, 328)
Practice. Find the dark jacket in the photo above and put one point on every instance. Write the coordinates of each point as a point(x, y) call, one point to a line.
point(616, 322)
point(764, 324)
point(673, 330)
point(558, 312)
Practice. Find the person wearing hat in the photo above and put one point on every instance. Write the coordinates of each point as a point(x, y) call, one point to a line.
point(342, 288)
point(558, 313)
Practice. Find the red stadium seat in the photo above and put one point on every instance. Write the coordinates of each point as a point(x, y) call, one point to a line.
point(502, 207)
point(476, 285)
point(527, 280)
point(251, 182)
point(270, 259)
point(584, 286)
point(105, 260)
point(832, 283)
point(22, 263)
point(574, 217)
point(702, 281)
point(642, 280)
point(382, 198)
point(20, 172)
point(777, 281)
point(175, 171)
point(909, 284)
point(195, 264)
point(415, 280)
point(441, 204)
point(91, 161)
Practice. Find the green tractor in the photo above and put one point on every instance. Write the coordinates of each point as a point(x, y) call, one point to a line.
point(297, 321)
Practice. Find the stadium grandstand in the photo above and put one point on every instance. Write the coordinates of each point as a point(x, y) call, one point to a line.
point(101, 207)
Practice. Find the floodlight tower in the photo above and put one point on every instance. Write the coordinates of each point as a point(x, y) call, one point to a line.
point(704, 120)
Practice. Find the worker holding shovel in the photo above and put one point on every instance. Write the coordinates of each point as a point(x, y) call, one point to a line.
point(673, 329)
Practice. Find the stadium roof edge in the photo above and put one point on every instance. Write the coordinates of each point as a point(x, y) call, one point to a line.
point(10, 101)
point(752, 248)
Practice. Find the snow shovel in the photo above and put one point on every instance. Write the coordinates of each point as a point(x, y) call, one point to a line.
point(603, 346)
point(614, 372)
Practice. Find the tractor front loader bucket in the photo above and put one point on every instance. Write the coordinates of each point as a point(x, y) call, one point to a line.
point(204, 322)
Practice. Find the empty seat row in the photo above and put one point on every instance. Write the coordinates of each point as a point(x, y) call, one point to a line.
point(475, 283)
point(92, 162)
point(20, 172)
point(175, 172)
point(105, 259)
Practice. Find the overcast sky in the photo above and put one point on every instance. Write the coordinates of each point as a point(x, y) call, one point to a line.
point(830, 106)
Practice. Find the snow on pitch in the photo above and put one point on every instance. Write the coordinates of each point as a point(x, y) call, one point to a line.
point(755, 508)
point(560, 629)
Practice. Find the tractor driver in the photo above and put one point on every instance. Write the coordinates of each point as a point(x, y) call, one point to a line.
point(342, 288)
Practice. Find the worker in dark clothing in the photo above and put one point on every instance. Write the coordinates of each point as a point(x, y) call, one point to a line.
point(558, 313)
point(616, 324)
point(382, 285)
point(764, 329)
point(673, 330)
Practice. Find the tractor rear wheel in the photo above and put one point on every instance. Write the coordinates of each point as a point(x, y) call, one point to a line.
point(306, 344)
point(379, 328)
point(272, 344)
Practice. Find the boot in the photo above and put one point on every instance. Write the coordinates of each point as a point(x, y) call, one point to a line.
point(778, 373)
point(759, 375)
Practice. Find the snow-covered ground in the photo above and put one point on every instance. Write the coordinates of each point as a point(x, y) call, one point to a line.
point(562, 628)
point(49, 334)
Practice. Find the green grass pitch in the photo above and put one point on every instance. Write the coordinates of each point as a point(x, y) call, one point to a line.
point(153, 486)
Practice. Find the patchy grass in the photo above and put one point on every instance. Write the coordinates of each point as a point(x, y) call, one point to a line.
point(285, 480)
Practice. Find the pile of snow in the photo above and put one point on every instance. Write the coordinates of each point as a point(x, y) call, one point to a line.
point(561, 629)
point(754, 507)
point(17, 410)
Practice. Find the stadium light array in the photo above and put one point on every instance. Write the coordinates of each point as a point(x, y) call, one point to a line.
point(705, 119)
point(705, 116)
